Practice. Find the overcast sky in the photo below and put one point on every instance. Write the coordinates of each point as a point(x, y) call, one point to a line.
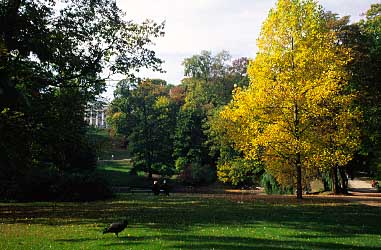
point(215, 25)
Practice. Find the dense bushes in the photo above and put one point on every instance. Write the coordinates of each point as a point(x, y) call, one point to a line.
point(46, 178)
point(82, 187)
point(240, 172)
point(194, 173)
point(49, 184)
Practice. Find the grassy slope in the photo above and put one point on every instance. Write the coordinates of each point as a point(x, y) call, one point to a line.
point(116, 169)
point(190, 222)
point(106, 146)
point(117, 173)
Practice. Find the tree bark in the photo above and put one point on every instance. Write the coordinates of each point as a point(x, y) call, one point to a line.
point(299, 188)
point(344, 181)
point(335, 181)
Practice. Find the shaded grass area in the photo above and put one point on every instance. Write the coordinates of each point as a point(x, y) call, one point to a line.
point(117, 173)
point(191, 222)
point(107, 147)
point(117, 153)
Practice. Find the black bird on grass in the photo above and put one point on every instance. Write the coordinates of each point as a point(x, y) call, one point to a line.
point(115, 227)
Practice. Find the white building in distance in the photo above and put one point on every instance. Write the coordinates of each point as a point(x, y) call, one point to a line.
point(96, 114)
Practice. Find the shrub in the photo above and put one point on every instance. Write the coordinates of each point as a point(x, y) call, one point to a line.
point(82, 187)
point(271, 186)
point(163, 169)
point(197, 174)
point(240, 172)
point(48, 184)
point(181, 164)
point(83, 157)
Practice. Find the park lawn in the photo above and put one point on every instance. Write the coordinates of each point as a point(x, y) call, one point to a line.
point(185, 221)
point(107, 147)
point(117, 174)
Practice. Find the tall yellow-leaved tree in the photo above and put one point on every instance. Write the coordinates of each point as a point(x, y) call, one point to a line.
point(297, 115)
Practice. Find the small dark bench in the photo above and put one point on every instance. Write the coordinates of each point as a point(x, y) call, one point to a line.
point(141, 189)
point(135, 189)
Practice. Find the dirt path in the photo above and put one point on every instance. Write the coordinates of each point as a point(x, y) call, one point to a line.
point(361, 185)
point(361, 191)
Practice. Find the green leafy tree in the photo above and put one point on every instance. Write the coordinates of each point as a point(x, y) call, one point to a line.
point(202, 85)
point(51, 64)
point(367, 80)
point(210, 79)
point(363, 39)
point(237, 73)
point(146, 116)
point(190, 151)
point(208, 85)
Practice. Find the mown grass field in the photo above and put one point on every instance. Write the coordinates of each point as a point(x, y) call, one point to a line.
point(193, 221)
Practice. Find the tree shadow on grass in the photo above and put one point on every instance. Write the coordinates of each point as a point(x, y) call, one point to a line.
point(76, 240)
point(116, 241)
point(177, 213)
point(235, 243)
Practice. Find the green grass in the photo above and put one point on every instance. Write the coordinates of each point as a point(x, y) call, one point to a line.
point(117, 173)
point(113, 153)
point(120, 166)
point(107, 148)
point(191, 222)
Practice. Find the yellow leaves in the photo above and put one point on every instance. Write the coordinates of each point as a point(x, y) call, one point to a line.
point(223, 172)
point(295, 104)
point(117, 115)
point(162, 102)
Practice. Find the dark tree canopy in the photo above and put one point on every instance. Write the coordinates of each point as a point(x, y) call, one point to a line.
point(54, 60)
point(72, 47)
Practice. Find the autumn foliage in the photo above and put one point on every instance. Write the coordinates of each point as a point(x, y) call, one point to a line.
point(297, 115)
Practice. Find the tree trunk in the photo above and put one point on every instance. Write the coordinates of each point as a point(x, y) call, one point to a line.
point(344, 181)
point(335, 181)
point(299, 188)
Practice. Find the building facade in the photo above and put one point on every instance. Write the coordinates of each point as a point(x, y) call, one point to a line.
point(96, 116)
